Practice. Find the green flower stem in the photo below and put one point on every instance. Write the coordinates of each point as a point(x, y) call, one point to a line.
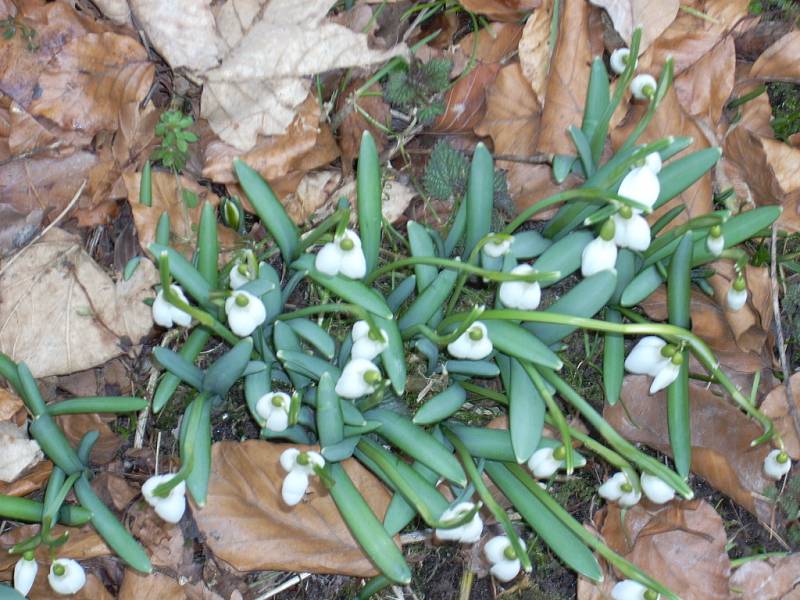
point(197, 314)
point(443, 340)
point(664, 82)
point(30, 511)
point(314, 235)
point(497, 511)
point(629, 570)
point(337, 307)
point(457, 265)
point(671, 333)
point(472, 260)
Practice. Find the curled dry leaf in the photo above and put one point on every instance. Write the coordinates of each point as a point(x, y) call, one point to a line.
point(19, 452)
point(18, 228)
point(775, 406)
point(781, 61)
point(33, 480)
point(246, 523)
point(721, 436)
point(10, 405)
point(534, 47)
point(164, 542)
point(55, 292)
point(704, 88)
point(770, 579)
point(750, 327)
point(654, 16)
point(314, 197)
point(501, 10)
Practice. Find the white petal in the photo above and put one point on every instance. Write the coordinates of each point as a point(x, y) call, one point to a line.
point(278, 420)
point(496, 250)
point(505, 570)
point(329, 259)
point(364, 346)
point(715, 245)
point(542, 464)
point(620, 230)
point(71, 581)
point(521, 295)
point(471, 532)
point(640, 185)
point(736, 299)
point(467, 348)
point(628, 499)
point(598, 255)
point(773, 468)
point(237, 278)
point(243, 320)
point(316, 459)
point(171, 508)
point(665, 376)
point(294, 487)
point(24, 575)
point(360, 330)
point(352, 236)
point(640, 82)
point(289, 458)
point(618, 60)
point(162, 311)
point(646, 357)
point(354, 264)
point(653, 162)
point(656, 489)
point(628, 590)
point(351, 383)
point(495, 548)
point(637, 234)
point(610, 490)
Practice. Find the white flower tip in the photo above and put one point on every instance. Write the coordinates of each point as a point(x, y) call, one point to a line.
point(66, 576)
point(628, 590)
point(777, 464)
point(24, 575)
point(641, 84)
point(170, 507)
point(656, 489)
point(736, 299)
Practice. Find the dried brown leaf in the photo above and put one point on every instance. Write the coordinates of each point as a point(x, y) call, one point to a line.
point(10, 405)
point(491, 44)
point(114, 490)
point(246, 523)
point(534, 48)
point(501, 10)
point(136, 585)
point(17, 228)
point(775, 406)
point(30, 481)
point(781, 61)
point(164, 542)
point(76, 426)
point(92, 590)
point(770, 579)
point(704, 88)
point(465, 102)
point(314, 196)
point(653, 16)
point(354, 123)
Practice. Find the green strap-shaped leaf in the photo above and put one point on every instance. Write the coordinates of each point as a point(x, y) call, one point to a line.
point(563, 256)
point(330, 424)
point(97, 404)
point(189, 352)
point(186, 275)
point(525, 413)
point(479, 198)
point(228, 368)
point(421, 244)
point(314, 335)
point(179, 367)
point(440, 406)
point(208, 245)
point(515, 340)
point(200, 452)
point(368, 191)
point(424, 307)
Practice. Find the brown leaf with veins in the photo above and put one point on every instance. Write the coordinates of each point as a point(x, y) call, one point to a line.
point(773, 578)
point(136, 586)
point(354, 124)
point(781, 61)
point(775, 406)
point(501, 10)
point(721, 436)
point(704, 88)
point(164, 542)
point(465, 102)
point(246, 523)
point(492, 44)
point(654, 16)
point(114, 490)
point(534, 48)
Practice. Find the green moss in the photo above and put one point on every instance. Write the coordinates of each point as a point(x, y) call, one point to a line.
point(785, 101)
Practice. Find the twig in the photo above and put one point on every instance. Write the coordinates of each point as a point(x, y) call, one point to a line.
point(284, 586)
point(776, 308)
point(41, 234)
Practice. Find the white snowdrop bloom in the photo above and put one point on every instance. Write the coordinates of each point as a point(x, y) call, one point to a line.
point(653, 356)
point(167, 315)
point(522, 295)
point(618, 489)
point(632, 232)
point(599, 255)
point(274, 409)
point(241, 273)
point(619, 60)
point(469, 532)
point(299, 467)
point(640, 185)
point(24, 574)
point(66, 576)
point(499, 552)
point(628, 589)
point(365, 344)
point(171, 507)
point(656, 489)
point(245, 312)
point(653, 162)
point(343, 255)
point(546, 461)
point(737, 294)
point(643, 86)
point(359, 378)
point(473, 344)
point(499, 248)
point(715, 242)
point(777, 464)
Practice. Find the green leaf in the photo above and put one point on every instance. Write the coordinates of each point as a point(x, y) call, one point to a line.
point(228, 368)
point(368, 191)
point(480, 197)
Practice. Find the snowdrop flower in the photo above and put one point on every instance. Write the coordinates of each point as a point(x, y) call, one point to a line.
point(631, 230)
point(24, 573)
point(523, 295)
point(653, 356)
point(359, 378)
point(66, 576)
point(499, 552)
point(737, 293)
point(656, 489)
point(241, 273)
point(643, 86)
point(619, 60)
point(165, 314)
point(777, 464)
point(171, 507)
point(546, 461)
point(628, 589)
point(499, 248)
point(274, 409)
point(469, 532)
point(299, 466)
point(231, 212)
point(640, 185)
point(618, 489)
point(343, 255)
point(715, 242)
point(473, 344)
point(653, 162)
point(245, 312)
point(601, 253)
point(366, 343)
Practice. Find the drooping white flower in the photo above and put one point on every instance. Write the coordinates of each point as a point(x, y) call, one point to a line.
point(274, 409)
point(473, 344)
point(171, 507)
point(469, 532)
point(66, 576)
point(643, 86)
point(599, 255)
point(25, 573)
point(618, 489)
point(546, 461)
point(715, 242)
point(619, 60)
point(299, 467)
point(653, 162)
point(343, 255)
point(640, 185)
point(777, 464)
point(499, 552)
point(241, 272)
point(628, 589)
point(656, 489)
point(364, 343)
point(632, 232)
point(167, 315)
point(245, 312)
point(522, 295)
point(499, 248)
point(737, 293)
point(653, 356)
point(359, 378)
